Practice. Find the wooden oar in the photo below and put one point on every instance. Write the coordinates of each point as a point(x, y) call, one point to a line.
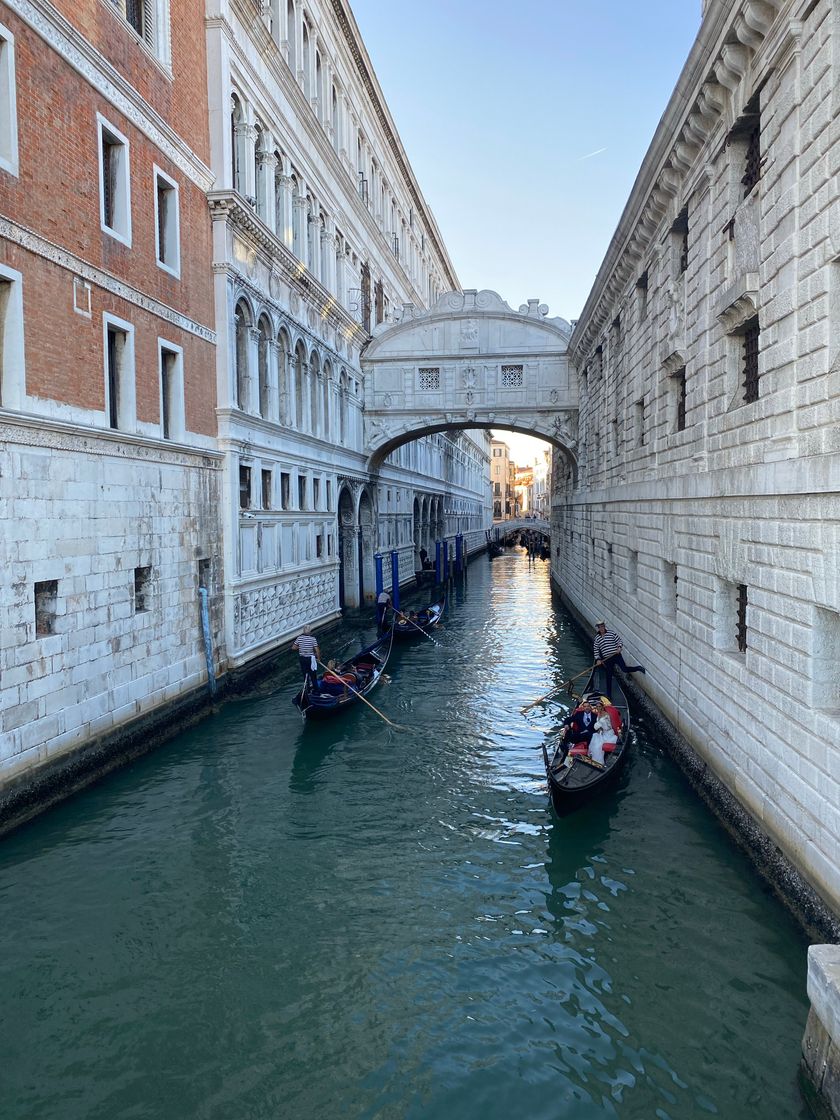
point(396, 726)
point(425, 633)
point(559, 688)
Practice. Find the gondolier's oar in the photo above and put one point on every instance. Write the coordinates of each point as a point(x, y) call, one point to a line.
point(358, 694)
point(559, 688)
point(425, 633)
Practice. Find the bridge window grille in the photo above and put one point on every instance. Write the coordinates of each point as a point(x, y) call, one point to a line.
point(750, 344)
point(741, 628)
point(512, 377)
point(429, 377)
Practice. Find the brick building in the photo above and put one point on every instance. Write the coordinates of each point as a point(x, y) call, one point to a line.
point(108, 467)
point(704, 517)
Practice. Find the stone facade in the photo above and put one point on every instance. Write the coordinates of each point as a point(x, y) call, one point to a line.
point(319, 233)
point(704, 522)
point(109, 476)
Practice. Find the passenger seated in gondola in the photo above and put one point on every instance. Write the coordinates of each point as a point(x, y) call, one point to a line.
point(605, 736)
point(333, 681)
point(579, 725)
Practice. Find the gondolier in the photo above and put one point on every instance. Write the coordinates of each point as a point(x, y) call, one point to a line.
point(607, 651)
point(383, 602)
point(309, 654)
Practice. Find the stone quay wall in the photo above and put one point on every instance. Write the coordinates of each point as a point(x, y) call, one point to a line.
point(703, 517)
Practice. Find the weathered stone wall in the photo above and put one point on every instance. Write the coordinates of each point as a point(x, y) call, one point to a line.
point(821, 1044)
point(88, 511)
point(696, 495)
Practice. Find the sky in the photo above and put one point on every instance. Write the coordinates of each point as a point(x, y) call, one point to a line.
point(526, 126)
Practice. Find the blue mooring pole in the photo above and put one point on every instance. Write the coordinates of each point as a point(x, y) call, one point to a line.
point(446, 572)
point(438, 563)
point(380, 583)
point(395, 579)
point(459, 553)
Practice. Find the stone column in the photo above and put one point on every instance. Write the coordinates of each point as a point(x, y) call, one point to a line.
point(266, 164)
point(283, 208)
point(246, 136)
point(328, 247)
point(291, 395)
point(251, 389)
point(274, 388)
point(300, 224)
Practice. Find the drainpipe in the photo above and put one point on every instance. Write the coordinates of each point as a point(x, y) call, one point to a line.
point(208, 641)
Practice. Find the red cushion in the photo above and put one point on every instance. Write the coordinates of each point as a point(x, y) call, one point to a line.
point(579, 749)
point(610, 747)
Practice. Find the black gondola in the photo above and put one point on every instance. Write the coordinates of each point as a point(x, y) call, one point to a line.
point(343, 686)
point(424, 621)
point(572, 778)
point(494, 549)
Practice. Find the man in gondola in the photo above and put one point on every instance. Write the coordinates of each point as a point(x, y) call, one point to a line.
point(310, 654)
point(383, 602)
point(607, 650)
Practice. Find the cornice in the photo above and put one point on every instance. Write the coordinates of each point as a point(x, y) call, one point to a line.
point(35, 243)
point(364, 67)
point(77, 52)
point(317, 139)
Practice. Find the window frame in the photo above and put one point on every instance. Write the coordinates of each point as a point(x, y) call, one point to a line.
point(158, 175)
point(9, 151)
point(12, 344)
point(121, 233)
point(127, 395)
point(177, 420)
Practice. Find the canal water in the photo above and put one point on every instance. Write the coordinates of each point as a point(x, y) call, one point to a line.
point(266, 920)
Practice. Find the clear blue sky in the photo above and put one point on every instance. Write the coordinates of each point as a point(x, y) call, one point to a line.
point(501, 108)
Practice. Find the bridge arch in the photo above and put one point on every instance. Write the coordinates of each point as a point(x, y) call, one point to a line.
point(470, 361)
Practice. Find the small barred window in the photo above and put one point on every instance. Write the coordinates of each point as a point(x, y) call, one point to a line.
point(429, 377)
point(511, 377)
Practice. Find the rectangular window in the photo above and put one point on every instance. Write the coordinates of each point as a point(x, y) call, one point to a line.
point(120, 404)
point(142, 589)
point(679, 231)
point(285, 490)
point(319, 546)
point(46, 601)
point(750, 363)
point(143, 17)
point(639, 414)
point(429, 377)
point(12, 366)
point(741, 623)
point(678, 392)
point(167, 224)
point(642, 294)
point(266, 490)
point(171, 391)
point(301, 491)
point(8, 104)
point(244, 487)
point(114, 182)
point(512, 377)
point(316, 493)
point(329, 494)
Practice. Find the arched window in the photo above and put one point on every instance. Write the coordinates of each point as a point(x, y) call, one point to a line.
point(336, 139)
point(265, 335)
point(307, 61)
point(315, 418)
point(320, 108)
point(300, 365)
point(284, 375)
point(243, 327)
point(237, 121)
point(342, 408)
point(328, 433)
point(291, 37)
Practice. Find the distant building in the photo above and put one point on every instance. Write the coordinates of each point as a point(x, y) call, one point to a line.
point(502, 480)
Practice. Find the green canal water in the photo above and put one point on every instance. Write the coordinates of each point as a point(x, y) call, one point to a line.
point(266, 920)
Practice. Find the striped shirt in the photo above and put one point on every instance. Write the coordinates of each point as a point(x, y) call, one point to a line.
point(305, 645)
point(607, 645)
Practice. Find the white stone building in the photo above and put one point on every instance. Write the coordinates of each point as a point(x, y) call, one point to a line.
point(704, 517)
point(320, 234)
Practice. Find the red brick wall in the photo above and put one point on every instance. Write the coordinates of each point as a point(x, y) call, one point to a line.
point(57, 196)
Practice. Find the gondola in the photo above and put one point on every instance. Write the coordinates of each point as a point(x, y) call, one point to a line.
point(493, 550)
point(572, 783)
point(342, 688)
point(423, 622)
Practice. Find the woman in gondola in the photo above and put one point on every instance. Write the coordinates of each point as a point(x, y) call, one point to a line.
point(603, 735)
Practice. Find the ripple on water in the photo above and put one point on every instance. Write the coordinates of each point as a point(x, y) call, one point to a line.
point(264, 919)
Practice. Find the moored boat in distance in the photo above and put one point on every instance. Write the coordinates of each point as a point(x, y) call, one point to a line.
point(344, 685)
point(414, 625)
point(573, 778)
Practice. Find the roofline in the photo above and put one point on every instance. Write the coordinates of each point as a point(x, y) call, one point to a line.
point(353, 37)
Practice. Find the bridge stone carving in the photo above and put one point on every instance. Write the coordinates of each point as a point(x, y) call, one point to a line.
point(470, 361)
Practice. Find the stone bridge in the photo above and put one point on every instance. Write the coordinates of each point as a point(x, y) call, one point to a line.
point(520, 524)
point(471, 361)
